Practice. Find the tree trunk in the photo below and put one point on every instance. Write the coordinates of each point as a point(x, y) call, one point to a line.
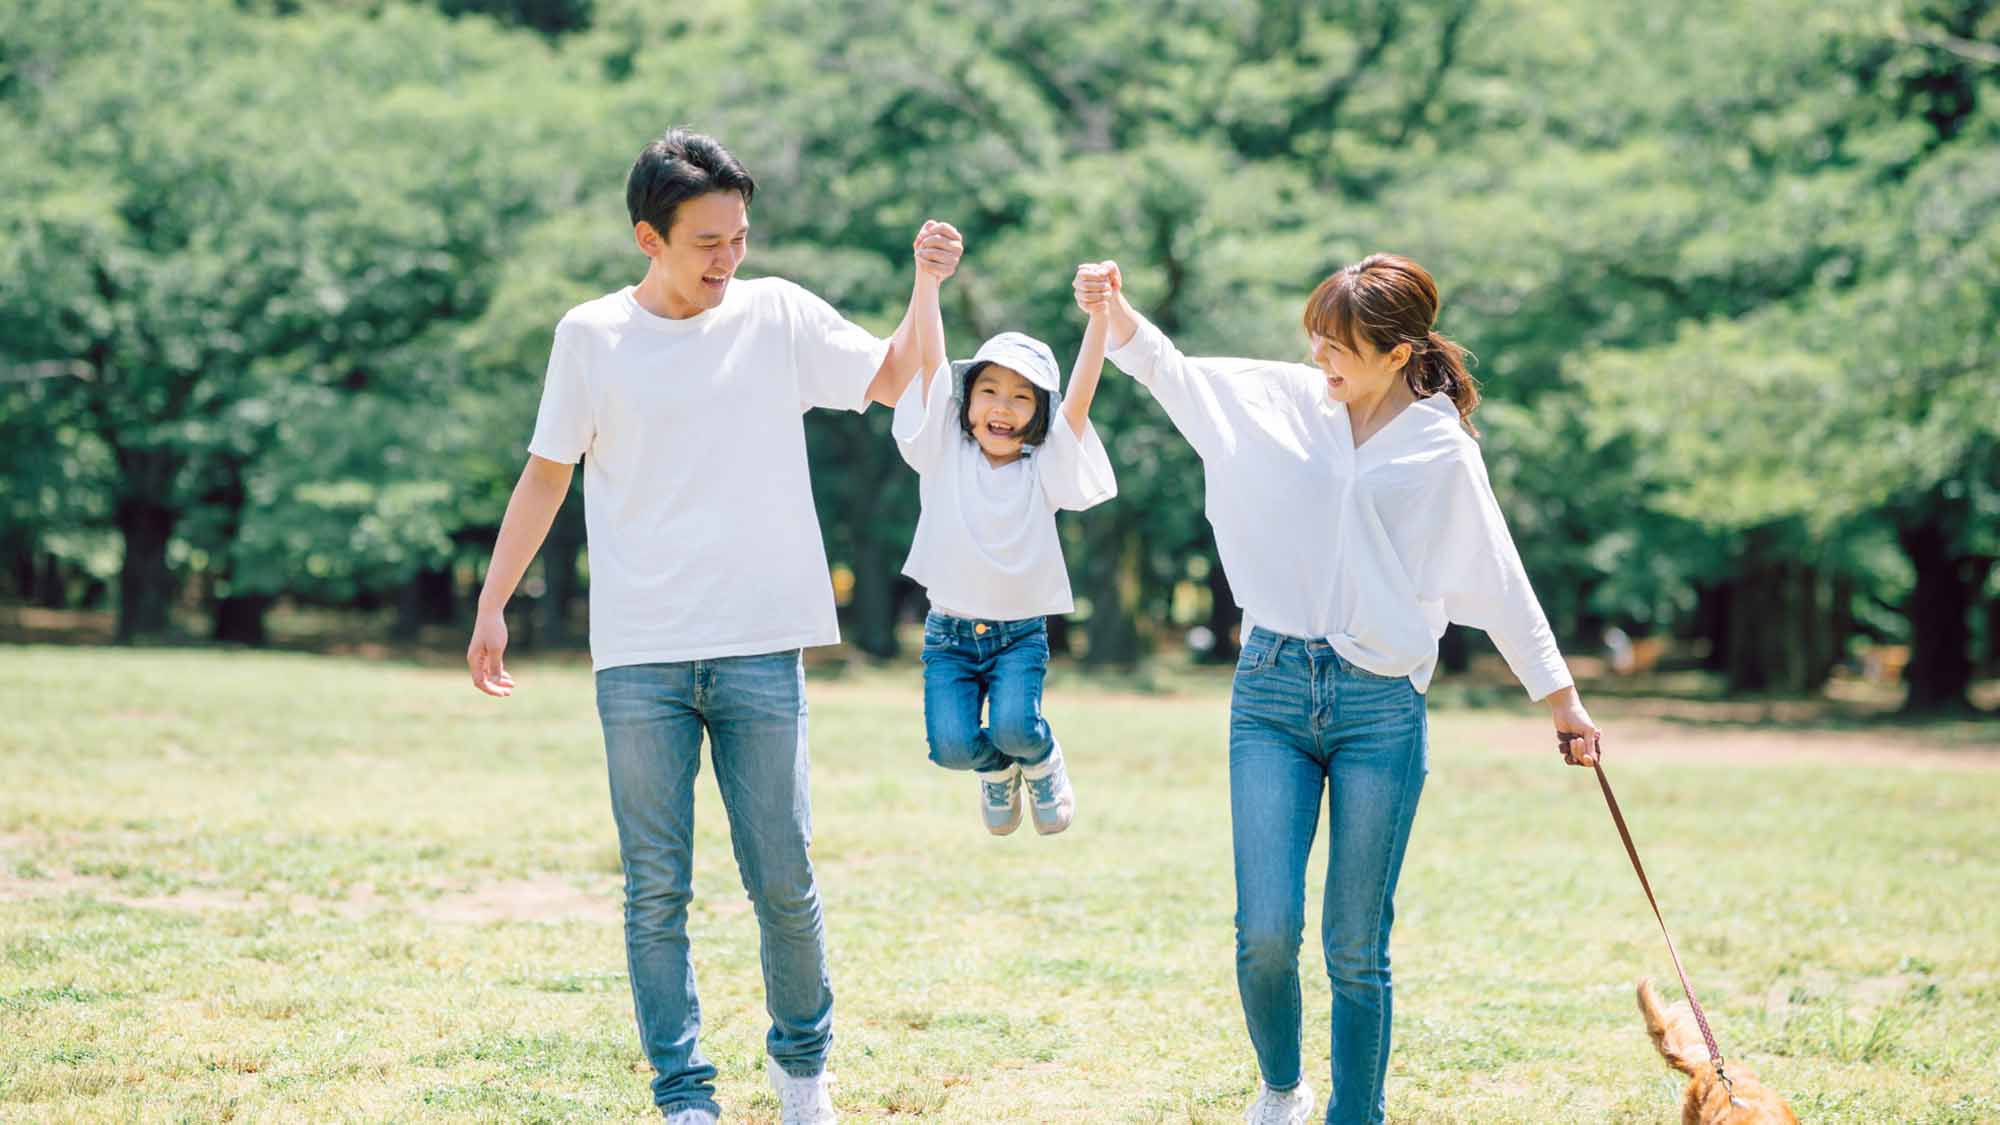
point(430, 597)
point(1111, 573)
point(239, 618)
point(1711, 621)
point(52, 584)
point(1059, 644)
point(559, 570)
point(1993, 636)
point(1455, 650)
point(1940, 669)
point(1224, 616)
point(145, 584)
point(1774, 649)
point(872, 612)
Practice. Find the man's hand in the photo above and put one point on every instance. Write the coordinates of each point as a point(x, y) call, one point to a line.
point(483, 656)
point(938, 247)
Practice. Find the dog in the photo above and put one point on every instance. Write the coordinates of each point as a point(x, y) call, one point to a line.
point(1744, 1101)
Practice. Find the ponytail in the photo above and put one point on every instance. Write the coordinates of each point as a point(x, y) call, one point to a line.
point(1438, 367)
point(1389, 300)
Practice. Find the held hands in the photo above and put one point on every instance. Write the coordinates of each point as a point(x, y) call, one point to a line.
point(938, 248)
point(1577, 737)
point(1097, 285)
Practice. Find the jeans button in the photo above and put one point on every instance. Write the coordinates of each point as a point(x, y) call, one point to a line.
point(979, 629)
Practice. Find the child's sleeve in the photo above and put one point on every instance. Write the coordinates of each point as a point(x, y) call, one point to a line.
point(835, 358)
point(1074, 472)
point(924, 428)
point(564, 425)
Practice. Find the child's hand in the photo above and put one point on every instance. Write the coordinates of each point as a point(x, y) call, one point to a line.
point(938, 247)
point(1096, 284)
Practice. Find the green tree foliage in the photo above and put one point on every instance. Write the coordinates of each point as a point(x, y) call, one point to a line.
point(277, 277)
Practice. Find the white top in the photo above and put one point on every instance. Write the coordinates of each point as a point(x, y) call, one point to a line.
point(703, 537)
point(986, 542)
point(1375, 549)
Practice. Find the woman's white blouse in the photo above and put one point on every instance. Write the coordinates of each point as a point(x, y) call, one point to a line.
point(1375, 549)
point(986, 543)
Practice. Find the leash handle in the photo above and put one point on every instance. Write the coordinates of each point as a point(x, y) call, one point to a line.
point(1625, 834)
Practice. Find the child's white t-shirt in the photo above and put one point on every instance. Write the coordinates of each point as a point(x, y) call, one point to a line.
point(703, 537)
point(986, 541)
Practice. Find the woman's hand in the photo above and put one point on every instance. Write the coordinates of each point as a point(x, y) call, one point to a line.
point(1576, 736)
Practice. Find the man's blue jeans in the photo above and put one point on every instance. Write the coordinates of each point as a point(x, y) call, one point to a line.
point(969, 662)
point(754, 710)
point(1302, 722)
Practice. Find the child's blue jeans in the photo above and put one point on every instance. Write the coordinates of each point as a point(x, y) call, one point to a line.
point(969, 662)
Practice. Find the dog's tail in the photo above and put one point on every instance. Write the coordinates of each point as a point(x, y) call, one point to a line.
point(1673, 1031)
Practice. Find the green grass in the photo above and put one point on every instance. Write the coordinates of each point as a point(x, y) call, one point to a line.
point(295, 887)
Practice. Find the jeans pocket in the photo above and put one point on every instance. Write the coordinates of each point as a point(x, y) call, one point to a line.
point(1260, 651)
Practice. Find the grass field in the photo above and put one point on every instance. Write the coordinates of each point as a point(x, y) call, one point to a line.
point(296, 887)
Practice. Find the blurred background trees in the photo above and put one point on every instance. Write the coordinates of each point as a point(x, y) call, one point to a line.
point(278, 277)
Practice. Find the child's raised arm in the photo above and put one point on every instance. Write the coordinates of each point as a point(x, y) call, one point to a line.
point(1089, 359)
point(937, 249)
point(929, 317)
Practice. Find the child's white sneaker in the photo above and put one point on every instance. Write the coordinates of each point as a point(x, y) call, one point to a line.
point(1291, 1107)
point(801, 1101)
point(1049, 792)
point(1000, 799)
point(694, 1116)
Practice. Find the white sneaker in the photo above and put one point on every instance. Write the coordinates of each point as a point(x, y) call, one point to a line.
point(691, 1117)
point(1049, 792)
point(801, 1101)
point(1000, 800)
point(1293, 1107)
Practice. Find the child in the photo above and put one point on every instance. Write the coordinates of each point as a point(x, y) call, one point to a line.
point(999, 449)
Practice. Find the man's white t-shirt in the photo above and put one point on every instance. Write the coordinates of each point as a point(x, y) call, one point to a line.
point(986, 543)
point(703, 537)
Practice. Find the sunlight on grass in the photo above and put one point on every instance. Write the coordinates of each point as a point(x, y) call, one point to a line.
point(285, 886)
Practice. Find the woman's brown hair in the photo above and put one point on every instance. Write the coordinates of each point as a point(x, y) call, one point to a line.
point(1387, 300)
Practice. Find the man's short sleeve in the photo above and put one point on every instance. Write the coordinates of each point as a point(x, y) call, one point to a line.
point(564, 427)
point(835, 358)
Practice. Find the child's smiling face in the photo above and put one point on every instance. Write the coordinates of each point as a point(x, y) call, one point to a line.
point(1000, 406)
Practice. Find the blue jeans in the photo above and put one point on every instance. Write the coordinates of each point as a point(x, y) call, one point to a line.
point(1303, 721)
point(999, 664)
point(754, 710)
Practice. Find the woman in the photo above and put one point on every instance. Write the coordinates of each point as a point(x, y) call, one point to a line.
point(1353, 515)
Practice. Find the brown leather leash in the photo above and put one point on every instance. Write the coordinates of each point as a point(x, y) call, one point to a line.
point(1625, 834)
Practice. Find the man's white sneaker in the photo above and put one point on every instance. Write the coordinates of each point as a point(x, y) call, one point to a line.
point(1054, 802)
point(1000, 799)
point(1291, 1107)
point(801, 1101)
point(691, 1117)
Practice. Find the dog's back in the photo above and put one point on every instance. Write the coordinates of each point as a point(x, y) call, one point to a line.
point(1746, 1101)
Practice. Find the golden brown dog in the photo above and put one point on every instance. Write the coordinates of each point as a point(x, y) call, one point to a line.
point(1745, 1101)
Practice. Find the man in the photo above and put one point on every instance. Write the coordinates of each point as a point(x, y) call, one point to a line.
point(708, 575)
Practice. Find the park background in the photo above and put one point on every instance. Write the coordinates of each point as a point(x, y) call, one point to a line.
point(277, 284)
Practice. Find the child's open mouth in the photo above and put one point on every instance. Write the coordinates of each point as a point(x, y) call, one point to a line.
point(1000, 429)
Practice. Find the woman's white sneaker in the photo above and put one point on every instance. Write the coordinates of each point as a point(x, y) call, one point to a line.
point(1290, 1107)
point(801, 1101)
